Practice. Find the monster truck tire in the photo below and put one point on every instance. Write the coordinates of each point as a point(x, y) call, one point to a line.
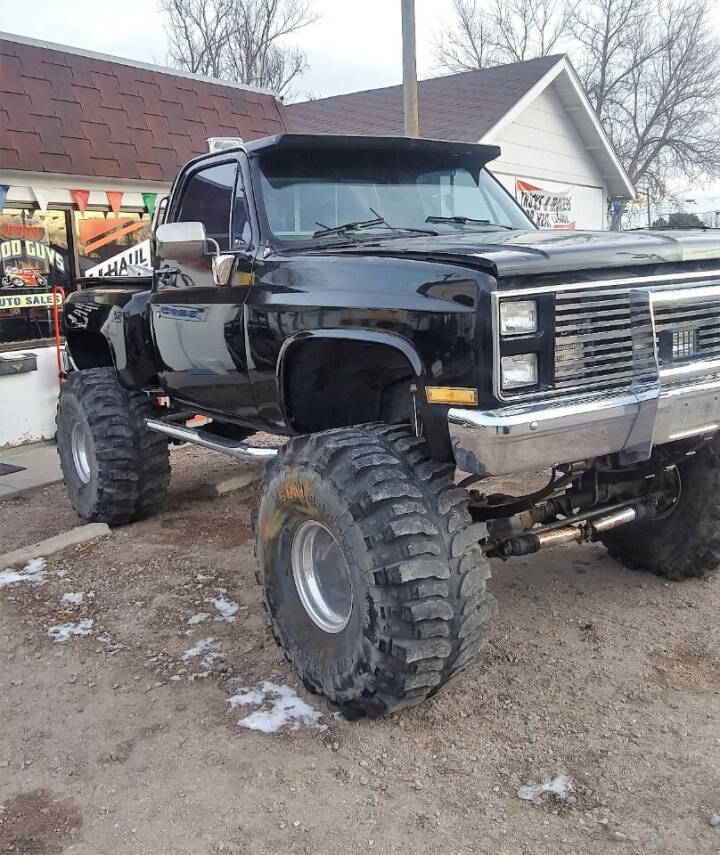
point(114, 468)
point(684, 544)
point(405, 545)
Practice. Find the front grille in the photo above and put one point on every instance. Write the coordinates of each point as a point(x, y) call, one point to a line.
point(688, 332)
point(604, 337)
point(593, 339)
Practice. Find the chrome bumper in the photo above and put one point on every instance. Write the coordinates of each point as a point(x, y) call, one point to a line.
point(528, 437)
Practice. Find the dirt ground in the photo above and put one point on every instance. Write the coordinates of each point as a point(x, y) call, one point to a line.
point(123, 741)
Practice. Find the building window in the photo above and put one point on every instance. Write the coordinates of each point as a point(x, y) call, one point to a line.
point(107, 244)
point(34, 258)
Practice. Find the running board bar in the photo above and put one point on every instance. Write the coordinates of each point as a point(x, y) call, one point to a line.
point(241, 450)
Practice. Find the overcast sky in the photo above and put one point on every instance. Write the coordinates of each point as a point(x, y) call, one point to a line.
point(354, 45)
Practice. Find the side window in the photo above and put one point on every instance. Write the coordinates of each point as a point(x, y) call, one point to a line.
point(208, 199)
point(241, 231)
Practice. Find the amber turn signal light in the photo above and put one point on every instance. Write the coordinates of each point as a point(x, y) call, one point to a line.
point(450, 395)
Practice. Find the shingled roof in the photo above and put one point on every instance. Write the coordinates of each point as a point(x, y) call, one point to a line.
point(69, 111)
point(459, 106)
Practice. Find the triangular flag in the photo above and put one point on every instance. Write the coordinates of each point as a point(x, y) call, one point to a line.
point(149, 200)
point(80, 197)
point(40, 198)
point(3, 193)
point(114, 198)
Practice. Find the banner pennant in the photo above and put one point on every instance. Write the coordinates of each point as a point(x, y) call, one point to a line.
point(80, 197)
point(114, 198)
point(149, 199)
point(40, 198)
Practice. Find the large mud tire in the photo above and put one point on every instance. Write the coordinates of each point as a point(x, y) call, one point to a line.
point(686, 543)
point(418, 576)
point(121, 471)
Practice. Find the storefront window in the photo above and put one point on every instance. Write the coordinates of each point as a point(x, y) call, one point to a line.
point(33, 259)
point(107, 244)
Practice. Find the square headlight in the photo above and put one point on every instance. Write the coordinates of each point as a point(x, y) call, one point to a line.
point(520, 370)
point(518, 317)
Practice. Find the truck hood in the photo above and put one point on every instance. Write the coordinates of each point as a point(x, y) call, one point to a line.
point(534, 252)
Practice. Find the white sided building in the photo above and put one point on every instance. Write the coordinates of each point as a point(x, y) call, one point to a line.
point(556, 159)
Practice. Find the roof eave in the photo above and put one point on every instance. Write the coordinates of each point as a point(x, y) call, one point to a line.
point(133, 63)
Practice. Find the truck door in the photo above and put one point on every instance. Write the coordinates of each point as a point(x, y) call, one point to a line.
point(199, 327)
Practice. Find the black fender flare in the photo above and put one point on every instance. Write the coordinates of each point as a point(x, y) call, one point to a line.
point(364, 335)
point(434, 418)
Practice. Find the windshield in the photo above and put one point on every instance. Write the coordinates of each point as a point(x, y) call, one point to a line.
point(307, 194)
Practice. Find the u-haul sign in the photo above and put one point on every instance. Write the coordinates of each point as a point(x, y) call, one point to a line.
point(118, 265)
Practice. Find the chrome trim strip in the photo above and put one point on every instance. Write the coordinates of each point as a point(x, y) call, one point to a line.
point(670, 278)
point(685, 295)
point(691, 369)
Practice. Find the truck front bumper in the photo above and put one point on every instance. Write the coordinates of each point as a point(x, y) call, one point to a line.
point(527, 437)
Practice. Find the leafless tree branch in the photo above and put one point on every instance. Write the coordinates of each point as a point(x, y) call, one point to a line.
point(651, 70)
point(241, 40)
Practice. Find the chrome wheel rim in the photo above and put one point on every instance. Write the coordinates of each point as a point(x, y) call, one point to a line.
point(322, 577)
point(78, 444)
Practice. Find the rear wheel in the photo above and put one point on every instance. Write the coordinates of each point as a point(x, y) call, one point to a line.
point(371, 567)
point(114, 468)
point(684, 541)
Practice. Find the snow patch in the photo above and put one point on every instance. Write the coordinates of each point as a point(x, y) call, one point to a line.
point(227, 609)
point(65, 631)
point(198, 618)
point(287, 709)
point(560, 786)
point(33, 572)
point(73, 599)
point(202, 645)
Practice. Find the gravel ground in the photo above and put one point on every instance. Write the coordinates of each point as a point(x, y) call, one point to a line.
point(121, 739)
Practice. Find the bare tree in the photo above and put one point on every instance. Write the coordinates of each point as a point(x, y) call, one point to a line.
point(501, 31)
point(198, 33)
point(651, 70)
point(241, 40)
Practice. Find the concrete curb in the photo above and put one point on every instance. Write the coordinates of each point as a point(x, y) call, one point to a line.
point(235, 482)
point(80, 534)
point(20, 491)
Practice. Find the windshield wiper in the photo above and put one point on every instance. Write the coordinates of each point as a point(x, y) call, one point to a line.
point(462, 221)
point(347, 228)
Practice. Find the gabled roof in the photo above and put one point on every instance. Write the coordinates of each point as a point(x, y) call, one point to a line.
point(471, 106)
point(74, 112)
point(459, 106)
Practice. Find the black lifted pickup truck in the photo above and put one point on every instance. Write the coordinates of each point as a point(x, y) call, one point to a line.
point(389, 307)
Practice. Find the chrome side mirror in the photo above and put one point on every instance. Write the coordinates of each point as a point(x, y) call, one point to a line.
point(180, 241)
point(222, 268)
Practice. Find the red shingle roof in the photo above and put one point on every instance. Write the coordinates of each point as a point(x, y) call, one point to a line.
point(64, 112)
point(460, 107)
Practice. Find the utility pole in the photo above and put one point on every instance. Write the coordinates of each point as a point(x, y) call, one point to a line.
point(410, 100)
point(648, 209)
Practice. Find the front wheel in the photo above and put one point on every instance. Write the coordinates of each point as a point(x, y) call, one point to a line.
point(114, 468)
point(371, 567)
point(684, 541)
